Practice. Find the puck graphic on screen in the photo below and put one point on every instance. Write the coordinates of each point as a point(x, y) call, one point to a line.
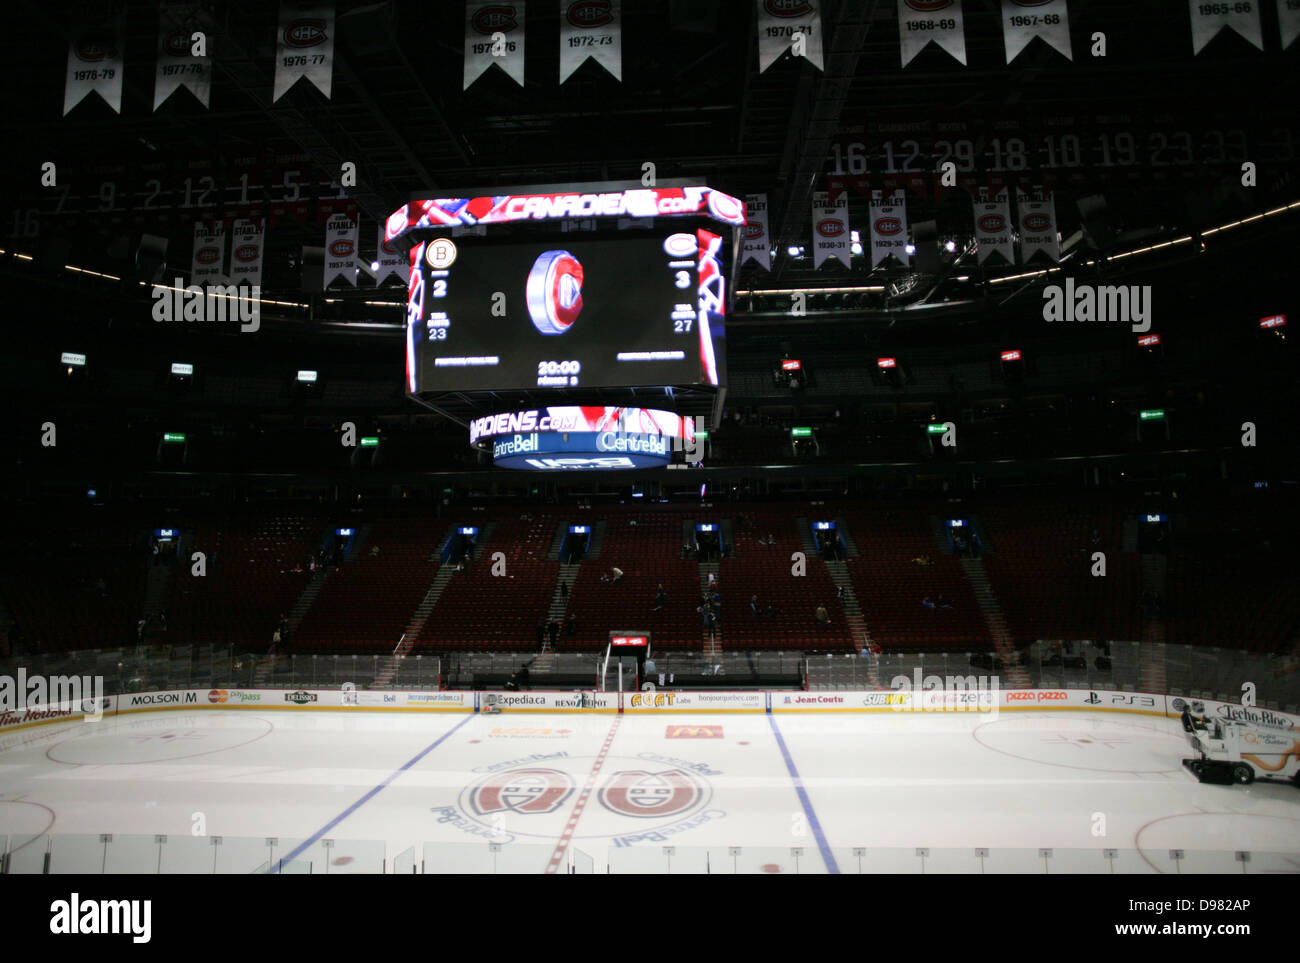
point(554, 292)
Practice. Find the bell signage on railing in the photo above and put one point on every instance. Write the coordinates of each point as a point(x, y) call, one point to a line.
point(579, 529)
point(343, 531)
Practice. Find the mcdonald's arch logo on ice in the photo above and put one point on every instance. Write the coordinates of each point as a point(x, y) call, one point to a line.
point(694, 732)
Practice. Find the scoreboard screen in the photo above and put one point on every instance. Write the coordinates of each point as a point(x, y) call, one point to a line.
point(637, 297)
point(565, 313)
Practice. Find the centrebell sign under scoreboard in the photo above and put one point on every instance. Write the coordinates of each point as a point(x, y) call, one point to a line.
point(638, 300)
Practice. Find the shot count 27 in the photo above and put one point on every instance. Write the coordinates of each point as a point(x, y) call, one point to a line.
point(638, 298)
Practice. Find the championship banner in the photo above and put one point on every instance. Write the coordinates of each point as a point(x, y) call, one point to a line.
point(209, 249)
point(993, 227)
point(341, 249)
point(888, 228)
point(177, 65)
point(1209, 18)
point(920, 21)
point(1288, 20)
point(1023, 20)
point(483, 48)
point(95, 64)
point(246, 252)
point(392, 260)
point(591, 28)
point(756, 244)
point(304, 46)
point(1037, 226)
point(784, 25)
point(830, 229)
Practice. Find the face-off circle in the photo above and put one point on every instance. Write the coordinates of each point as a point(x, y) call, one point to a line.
point(554, 292)
point(1091, 745)
point(137, 741)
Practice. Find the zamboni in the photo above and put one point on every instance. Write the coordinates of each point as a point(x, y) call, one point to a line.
point(1231, 751)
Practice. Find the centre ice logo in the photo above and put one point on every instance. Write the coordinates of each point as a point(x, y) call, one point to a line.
point(534, 797)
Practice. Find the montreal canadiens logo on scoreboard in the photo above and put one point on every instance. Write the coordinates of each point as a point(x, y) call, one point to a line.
point(554, 292)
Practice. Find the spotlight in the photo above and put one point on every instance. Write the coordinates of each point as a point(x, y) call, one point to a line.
point(950, 246)
point(794, 251)
point(910, 248)
point(374, 265)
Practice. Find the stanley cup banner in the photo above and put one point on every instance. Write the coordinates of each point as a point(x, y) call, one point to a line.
point(209, 252)
point(1240, 15)
point(1037, 223)
point(1288, 19)
point(755, 244)
point(177, 65)
point(888, 228)
point(392, 260)
point(95, 64)
point(246, 252)
point(993, 227)
point(794, 25)
point(591, 28)
point(483, 46)
point(830, 229)
point(1023, 20)
point(341, 249)
point(920, 21)
point(304, 46)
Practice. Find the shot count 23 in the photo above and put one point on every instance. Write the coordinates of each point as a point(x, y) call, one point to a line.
point(640, 300)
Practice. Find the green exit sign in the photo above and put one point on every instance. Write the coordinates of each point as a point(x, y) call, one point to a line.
point(370, 441)
point(174, 438)
point(1153, 414)
point(702, 435)
point(800, 432)
point(936, 429)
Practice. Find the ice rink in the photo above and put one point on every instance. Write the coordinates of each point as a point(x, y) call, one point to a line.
point(347, 791)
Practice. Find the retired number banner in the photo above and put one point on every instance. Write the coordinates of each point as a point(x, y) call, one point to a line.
point(1023, 20)
point(178, 65)
point(756, 244)
point(921, 21)
point(95, 65)
point(591, 28)
point(1211, 16)
point(794, 25)
point(494, 34)
point(304, 47)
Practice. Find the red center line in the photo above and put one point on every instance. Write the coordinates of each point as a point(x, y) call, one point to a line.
point(562, 846)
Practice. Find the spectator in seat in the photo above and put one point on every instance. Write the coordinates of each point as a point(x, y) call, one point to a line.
point(753, 607)
point(374, 551)
point(660, 597)
point(541, 633)
point(616, 573)
point(839, 594)
point(553, 631)
point(571, 627)
point(928, 603)
point(771, 612)
point(943, 603)
point(823, 617)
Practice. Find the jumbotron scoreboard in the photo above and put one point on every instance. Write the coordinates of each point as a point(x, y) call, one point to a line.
point(568, 289)
point(563, 294)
